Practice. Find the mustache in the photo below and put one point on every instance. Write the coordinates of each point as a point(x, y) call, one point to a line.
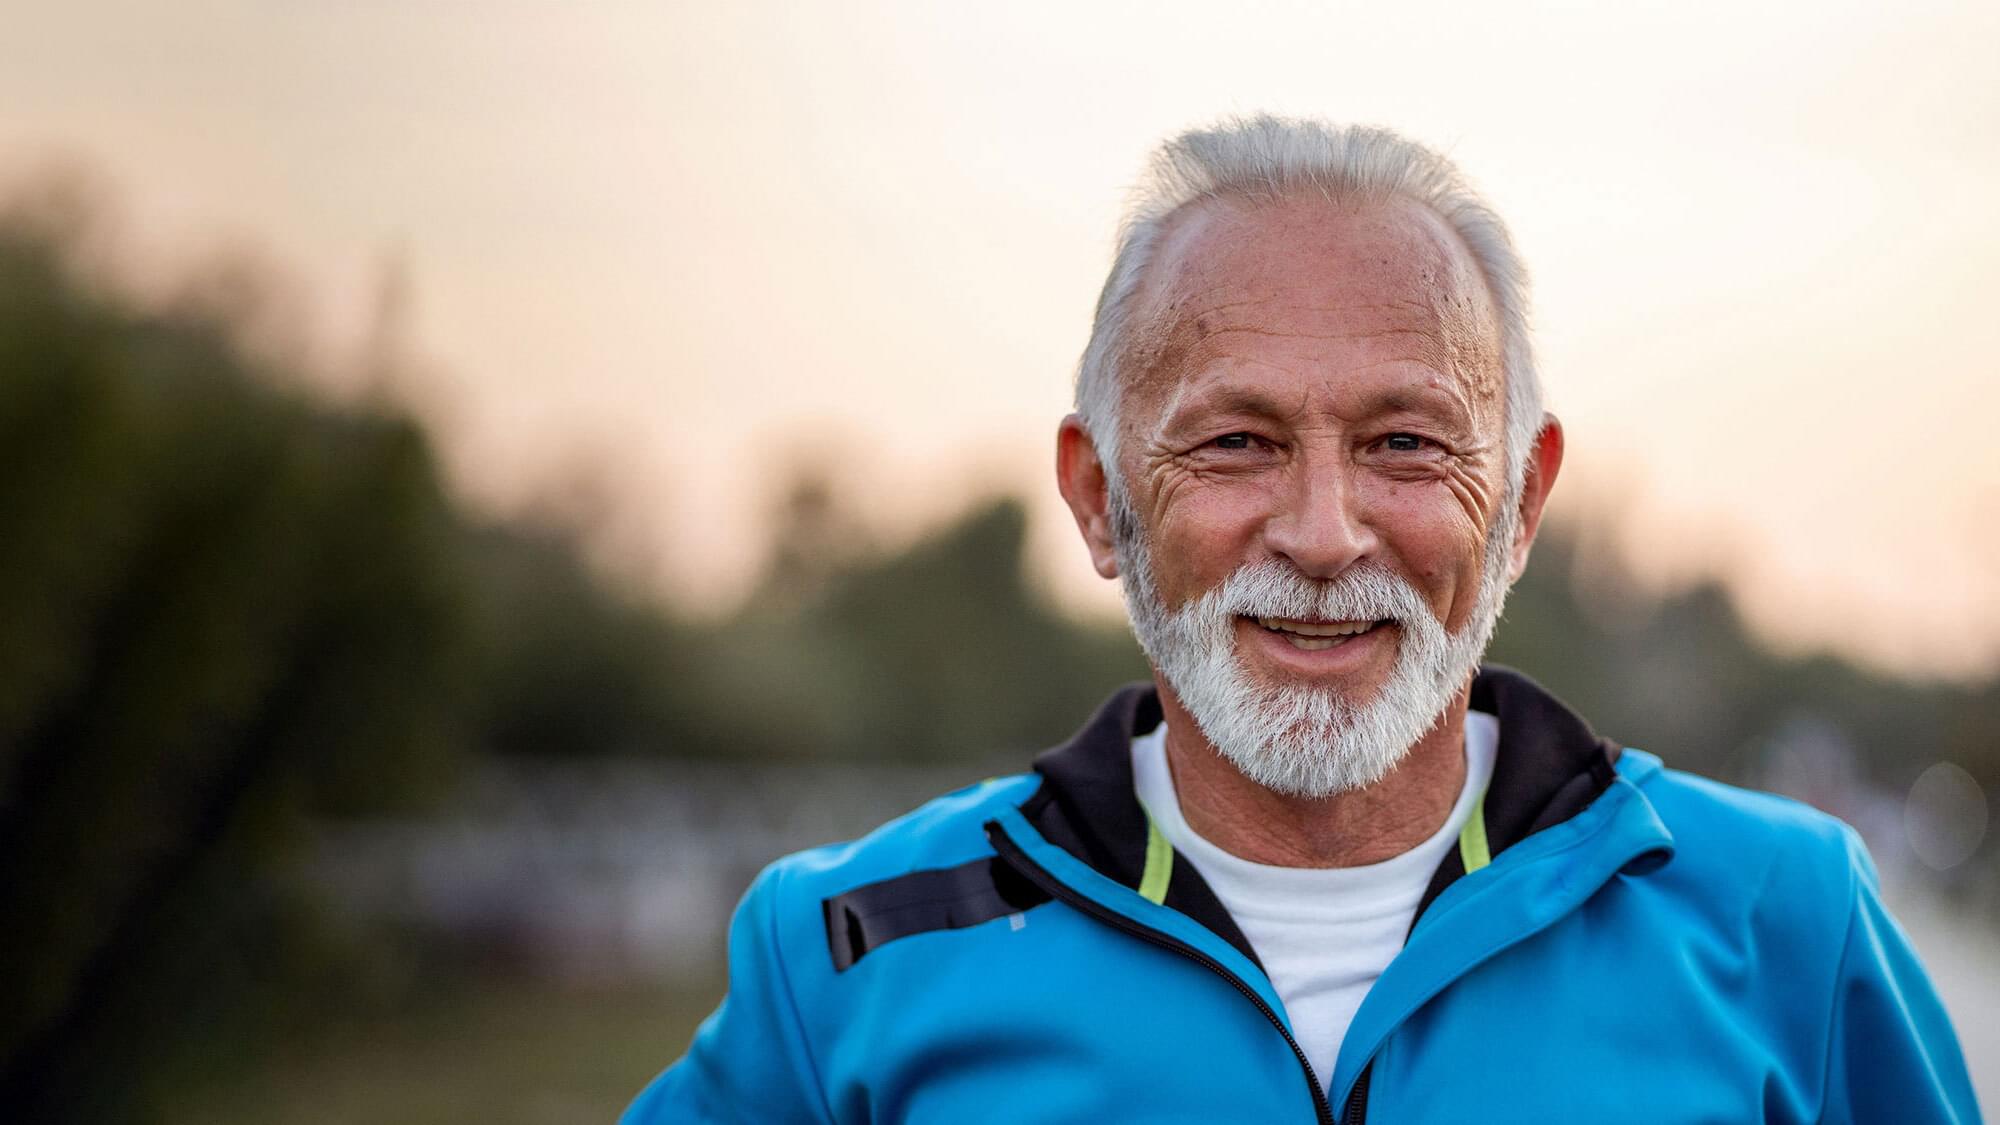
point(1363, 592)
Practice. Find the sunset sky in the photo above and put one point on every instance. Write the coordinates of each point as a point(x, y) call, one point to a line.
point(660, 248)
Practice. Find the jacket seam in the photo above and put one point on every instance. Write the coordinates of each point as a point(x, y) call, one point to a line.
point(1837, 1003)
point(791, 998)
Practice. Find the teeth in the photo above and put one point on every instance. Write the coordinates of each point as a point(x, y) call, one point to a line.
point(1316, 628)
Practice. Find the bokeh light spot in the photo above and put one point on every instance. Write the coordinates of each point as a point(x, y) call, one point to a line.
point(1945, 816)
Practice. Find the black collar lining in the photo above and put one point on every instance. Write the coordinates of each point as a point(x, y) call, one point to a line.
point(1549, 767)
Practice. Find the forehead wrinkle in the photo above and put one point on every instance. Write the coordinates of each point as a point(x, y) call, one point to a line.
point(1399, 345)
point(1451, 318)
point(1186, 342)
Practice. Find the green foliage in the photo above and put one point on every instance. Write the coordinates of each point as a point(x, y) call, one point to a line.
point(226, 613)
point(943, 651)
point(231, 613)
point(1682, 676)
point(567, 665)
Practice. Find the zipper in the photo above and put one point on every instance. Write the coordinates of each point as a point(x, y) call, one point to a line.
point(1036, 874)
point(1357, 1101)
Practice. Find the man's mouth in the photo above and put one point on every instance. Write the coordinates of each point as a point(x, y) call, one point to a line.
point(1313, 636)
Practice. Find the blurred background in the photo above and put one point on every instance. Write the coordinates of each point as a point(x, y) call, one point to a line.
point(477, 481)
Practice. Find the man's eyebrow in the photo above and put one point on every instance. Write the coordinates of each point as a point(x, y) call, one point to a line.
point(1420, 398)
point(1231, 398)
point(1402, 400)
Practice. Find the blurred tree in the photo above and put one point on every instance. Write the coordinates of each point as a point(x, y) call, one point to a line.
point(225, 614)
point(1681, 675)
point(569, 664)
point(941, 651)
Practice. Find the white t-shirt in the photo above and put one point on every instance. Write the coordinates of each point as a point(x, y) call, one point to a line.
point(1323, 933)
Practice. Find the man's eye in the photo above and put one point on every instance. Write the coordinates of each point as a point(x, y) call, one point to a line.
point(1405, 443)
point(1233, 441)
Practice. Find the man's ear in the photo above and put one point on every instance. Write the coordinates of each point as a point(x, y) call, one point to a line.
point(1544, 461)
point(1080, 477)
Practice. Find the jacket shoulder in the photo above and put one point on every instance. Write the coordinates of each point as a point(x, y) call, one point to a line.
point(762, 1056)
point(943, 832)
point(1764, 851)
point(1793, 892)
point(1734, 815)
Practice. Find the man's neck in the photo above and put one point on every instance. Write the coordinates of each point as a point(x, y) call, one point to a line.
point(1348, 829)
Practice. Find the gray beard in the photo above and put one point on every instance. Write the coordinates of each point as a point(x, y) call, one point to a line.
point(1298, 739)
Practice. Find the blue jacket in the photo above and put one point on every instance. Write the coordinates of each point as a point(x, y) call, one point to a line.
point(1644, 945)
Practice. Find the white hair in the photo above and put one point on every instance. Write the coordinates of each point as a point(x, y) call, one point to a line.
point(1306, 741)
point(1295, 739)
point(1298, 739)
point(1264, 159)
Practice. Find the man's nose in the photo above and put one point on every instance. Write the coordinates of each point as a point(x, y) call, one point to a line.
point(1318, 524)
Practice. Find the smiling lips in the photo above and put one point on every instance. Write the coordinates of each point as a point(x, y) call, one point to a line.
point(1313, 636)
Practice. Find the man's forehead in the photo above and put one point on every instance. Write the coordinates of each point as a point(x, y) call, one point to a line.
point(1346, 236)
point(1390, 270)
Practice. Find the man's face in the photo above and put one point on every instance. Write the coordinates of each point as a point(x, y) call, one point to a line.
point(1318, 411)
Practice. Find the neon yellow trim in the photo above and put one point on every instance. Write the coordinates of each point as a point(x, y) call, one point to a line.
point(1472, 838)
point(1159, 865)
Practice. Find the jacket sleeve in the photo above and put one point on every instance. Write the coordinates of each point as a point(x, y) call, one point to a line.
point(748, 1062)
point(1892, 1055)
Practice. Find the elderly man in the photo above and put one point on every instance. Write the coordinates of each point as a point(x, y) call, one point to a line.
point(1324, 867)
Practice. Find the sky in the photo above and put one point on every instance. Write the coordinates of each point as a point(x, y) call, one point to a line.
point(657, 255)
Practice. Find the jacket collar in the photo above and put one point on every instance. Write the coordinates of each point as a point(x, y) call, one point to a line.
point(1550, 766)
